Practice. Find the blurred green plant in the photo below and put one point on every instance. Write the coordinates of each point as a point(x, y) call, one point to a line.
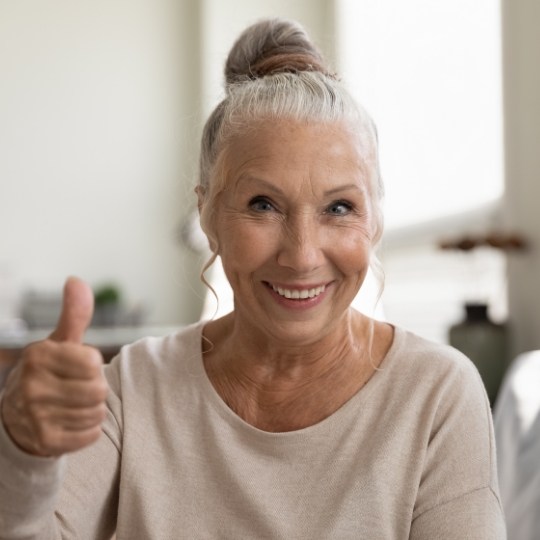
point(106, 295)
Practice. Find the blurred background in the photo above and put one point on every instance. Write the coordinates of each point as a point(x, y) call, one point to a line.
point(101, 109)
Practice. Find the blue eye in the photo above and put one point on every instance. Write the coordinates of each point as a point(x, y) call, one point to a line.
point(339, 208)
point(261, 204)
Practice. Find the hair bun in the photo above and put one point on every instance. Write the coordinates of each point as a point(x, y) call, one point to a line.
point(272, 46)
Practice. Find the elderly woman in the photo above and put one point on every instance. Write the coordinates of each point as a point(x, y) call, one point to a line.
point(292, 417)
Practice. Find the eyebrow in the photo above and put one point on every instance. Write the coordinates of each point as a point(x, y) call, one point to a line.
point(275, 189)
point(345, 187)
point(267, 185)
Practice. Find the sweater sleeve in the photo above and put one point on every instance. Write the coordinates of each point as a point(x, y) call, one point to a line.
point(74, 496)
point(474, 516)
point(28, 491)
point(458, 496)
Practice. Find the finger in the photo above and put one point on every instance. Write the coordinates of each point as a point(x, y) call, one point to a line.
point(76, 394)
point(38, 395)
point(46, 435)
point(63, 360)
point(77, 310)
point(73, 361)
point(78, 419)
point(55, 442)
point(70, 441)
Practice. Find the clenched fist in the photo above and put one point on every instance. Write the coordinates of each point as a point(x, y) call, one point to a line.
point(54, 400)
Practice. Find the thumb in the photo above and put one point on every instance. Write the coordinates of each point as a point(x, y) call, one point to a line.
point(77, 310)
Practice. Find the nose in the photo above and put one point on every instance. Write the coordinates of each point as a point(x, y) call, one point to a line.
point(301, 245)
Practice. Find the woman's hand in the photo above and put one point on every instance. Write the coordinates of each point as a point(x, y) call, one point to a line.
point(54, 401)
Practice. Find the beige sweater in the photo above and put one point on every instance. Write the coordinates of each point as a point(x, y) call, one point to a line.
point(411, 455)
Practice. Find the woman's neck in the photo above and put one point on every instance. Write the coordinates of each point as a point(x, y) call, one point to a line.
point(288, 387)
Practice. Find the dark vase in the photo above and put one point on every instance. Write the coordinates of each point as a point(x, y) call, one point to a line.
point(485, 343)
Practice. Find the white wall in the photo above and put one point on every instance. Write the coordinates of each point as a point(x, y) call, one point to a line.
point(101, 107)
point(100, 111)
point(521, 52)
point(98, 104)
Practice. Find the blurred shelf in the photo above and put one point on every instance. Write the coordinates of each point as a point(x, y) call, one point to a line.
point(108, 340)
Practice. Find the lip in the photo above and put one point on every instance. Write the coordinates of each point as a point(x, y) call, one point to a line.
point(299, 304)
point(297, 286)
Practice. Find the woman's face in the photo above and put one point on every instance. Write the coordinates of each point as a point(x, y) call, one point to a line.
point(294, 228)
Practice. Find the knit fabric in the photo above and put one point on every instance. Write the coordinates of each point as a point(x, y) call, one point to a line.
point(411, 455)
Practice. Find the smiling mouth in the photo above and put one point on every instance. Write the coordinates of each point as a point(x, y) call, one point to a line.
point(298, 294)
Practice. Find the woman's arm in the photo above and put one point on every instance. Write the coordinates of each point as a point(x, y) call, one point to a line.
point(74, 496)
point(59, 434)
point(458, 496)
point(473, 516)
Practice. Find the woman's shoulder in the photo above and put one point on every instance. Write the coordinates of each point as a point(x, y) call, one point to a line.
point(186, 337)
point(420, 363)
point(397, 349)
point(156, 357)
point(426, 354)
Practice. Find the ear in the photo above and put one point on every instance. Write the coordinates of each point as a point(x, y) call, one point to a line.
point(201, 201)
point(201, 196)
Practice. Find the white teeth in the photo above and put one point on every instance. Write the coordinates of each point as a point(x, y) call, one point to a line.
point(296, 294)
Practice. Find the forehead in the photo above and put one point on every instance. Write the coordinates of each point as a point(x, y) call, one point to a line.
point(280, 151)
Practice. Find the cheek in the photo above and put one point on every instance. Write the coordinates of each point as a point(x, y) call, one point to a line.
point(352, 251)
point(244, 245)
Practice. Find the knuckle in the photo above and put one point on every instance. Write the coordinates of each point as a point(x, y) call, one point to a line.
point(45, 439)
point(95, 393)
point(93, 434)
point(39, 415)
point(102, 390)
point(35, 353)
point(102, 412)
point(98, 395)
point(30, 388)
point(31, 359)
point(72, 442)
point(99, 389)
point(88, 361)
point(94, 359)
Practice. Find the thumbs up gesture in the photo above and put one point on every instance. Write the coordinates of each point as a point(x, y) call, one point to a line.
point(54, 400)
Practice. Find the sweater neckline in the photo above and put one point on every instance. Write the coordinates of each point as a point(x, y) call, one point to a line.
point(350, 407)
